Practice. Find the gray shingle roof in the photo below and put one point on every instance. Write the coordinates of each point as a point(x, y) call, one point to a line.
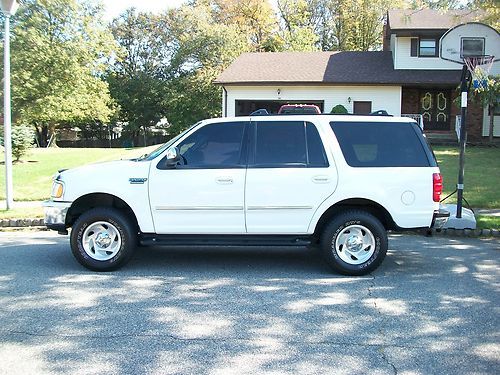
point(349, 68)
point(424, 19)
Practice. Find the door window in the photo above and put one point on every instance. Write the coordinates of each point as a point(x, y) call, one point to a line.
point(216, 145)
point(281, 144)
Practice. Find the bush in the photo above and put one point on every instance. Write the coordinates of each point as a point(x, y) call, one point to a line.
point(339, 109)
point(22, 140)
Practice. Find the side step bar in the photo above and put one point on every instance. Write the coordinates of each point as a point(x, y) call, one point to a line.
point(222, 240)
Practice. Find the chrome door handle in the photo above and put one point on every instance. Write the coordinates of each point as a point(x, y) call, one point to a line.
point(224, 180)
point(321, 179)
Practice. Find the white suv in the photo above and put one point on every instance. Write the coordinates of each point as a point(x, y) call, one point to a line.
point(339, 181)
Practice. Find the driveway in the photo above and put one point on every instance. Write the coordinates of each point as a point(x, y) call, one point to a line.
point(431, 308)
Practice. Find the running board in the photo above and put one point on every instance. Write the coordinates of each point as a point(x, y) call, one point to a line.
point(223, 240)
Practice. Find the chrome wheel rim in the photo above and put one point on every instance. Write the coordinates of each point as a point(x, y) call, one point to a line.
point(355, 244)
point(101, 240)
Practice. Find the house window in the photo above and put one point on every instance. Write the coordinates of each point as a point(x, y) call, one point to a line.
point(362, 108)
point(427, 48)
point(472, 47)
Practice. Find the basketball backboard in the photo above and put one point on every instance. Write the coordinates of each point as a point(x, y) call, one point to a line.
point(469, 39)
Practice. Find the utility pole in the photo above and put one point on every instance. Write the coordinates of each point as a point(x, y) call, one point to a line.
point(9, 8)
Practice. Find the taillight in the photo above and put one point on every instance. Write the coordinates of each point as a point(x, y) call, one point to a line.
point(437, 186)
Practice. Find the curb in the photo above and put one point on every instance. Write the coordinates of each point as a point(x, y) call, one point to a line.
point(29, 223)
point(21, 223)
point(463, 232)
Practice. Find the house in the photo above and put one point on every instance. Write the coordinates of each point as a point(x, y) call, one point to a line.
point(406, 78)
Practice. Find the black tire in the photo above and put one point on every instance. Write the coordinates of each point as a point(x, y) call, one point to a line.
point(123, 239)
point(351, 225)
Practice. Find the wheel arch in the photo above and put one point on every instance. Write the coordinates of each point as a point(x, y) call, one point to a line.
point(362, 204)
point(94, 200)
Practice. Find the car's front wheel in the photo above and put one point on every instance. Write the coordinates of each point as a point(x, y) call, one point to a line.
point(354, 243)
point(103, 239)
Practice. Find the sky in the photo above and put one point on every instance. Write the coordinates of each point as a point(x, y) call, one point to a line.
point(115, 7)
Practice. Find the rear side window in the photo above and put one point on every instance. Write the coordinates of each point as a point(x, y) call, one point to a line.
point(379, 144)
point(281, 144)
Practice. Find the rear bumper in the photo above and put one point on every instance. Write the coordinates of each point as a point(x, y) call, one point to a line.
point(55, 214)
point(440, 218)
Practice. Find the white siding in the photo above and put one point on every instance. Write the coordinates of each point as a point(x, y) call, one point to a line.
point(382, 97)
point(486, 124)
point(405, 61)
point(393, 47)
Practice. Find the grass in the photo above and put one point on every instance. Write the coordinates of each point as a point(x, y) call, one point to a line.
point(22, 213)
point(487, 222)
point(482, 174)
point(33, 175)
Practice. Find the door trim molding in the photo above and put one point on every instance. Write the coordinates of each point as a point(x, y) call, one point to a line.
point(199, 208)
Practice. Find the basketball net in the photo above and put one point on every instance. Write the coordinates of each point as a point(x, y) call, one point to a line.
point(479, 68)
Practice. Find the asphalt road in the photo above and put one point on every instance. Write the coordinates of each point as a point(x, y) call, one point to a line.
point(431, 308)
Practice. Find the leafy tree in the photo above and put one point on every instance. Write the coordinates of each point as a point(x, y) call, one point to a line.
point(491, 9)
point(59, 51)
point(488, 93)
point(137, 79)
point(254, 18)
point(205, 49)
point(296, 31)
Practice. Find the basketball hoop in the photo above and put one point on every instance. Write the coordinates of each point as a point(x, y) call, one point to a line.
point(479, 68)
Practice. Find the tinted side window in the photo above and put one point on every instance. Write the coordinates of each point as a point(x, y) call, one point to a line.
point(378, 144)
point(315, 149)
point(213, 146)
point(280, 143)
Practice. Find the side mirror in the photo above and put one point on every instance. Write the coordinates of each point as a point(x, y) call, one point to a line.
point(173, 157)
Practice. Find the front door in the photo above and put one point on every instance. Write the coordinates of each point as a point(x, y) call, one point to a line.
point(435, 109)
point(205, 193)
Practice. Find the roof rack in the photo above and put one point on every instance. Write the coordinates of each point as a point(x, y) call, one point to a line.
point(264, 112)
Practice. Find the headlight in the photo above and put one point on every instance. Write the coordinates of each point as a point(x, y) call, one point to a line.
point(57, 189)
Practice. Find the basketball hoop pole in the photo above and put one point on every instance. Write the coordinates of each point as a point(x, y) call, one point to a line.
point(464, 88)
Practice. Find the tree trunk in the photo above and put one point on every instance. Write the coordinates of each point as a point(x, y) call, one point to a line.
point(41, 134)
point(491, 111)
point(51, 134)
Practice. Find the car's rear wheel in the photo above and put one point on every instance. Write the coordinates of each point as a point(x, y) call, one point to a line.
point(354, 243)
point(103, 239)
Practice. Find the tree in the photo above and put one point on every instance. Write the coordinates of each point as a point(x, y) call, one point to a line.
point(59, 52)
point(296, 31)
point(137, 80)
point(254, 18)
point(205, 48)
point(22, 139)
point(491, 9)
point(488, 93)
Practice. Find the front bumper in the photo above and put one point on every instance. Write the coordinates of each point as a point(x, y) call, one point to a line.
point(440, 218)
point(55, 214)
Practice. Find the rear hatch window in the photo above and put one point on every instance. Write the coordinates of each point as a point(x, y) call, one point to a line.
point(383, 144)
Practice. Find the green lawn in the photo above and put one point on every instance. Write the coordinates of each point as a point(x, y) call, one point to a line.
point(482, 174)
point(487, 222)
point(33, 176)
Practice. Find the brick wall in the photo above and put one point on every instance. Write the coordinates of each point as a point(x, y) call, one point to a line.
point(410, 101)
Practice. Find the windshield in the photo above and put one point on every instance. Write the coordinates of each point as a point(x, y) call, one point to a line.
point(164, 146)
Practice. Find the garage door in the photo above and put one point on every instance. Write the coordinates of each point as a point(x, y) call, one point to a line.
point(245, 107)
